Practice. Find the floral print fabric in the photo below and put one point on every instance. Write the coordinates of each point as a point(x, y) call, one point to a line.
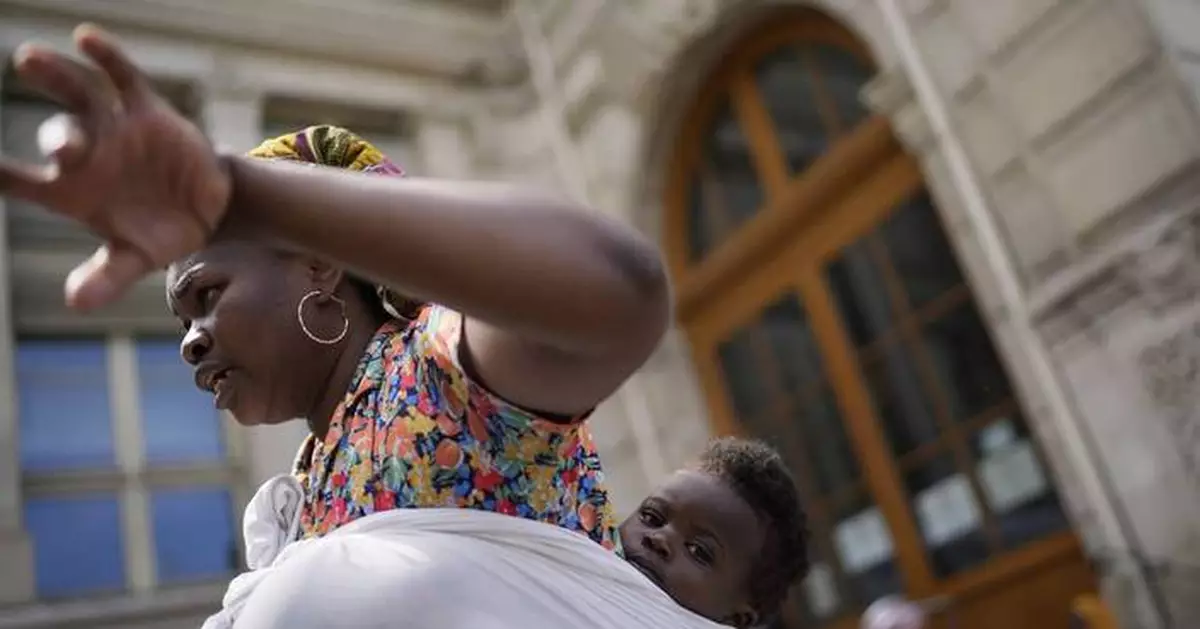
point(415, 431)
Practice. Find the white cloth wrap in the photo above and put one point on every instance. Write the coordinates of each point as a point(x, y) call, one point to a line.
point(435, 569)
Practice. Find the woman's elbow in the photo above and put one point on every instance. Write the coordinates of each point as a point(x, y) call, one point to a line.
point(647, 289)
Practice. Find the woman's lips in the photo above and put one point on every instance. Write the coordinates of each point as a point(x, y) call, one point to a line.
point(223, 391)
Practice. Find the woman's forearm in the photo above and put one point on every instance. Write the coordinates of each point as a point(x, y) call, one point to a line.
point(521, 260)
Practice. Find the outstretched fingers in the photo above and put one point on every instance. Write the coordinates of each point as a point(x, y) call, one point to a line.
point(61, 79)
point(131, 84)
point(105, 276)
point(25, 181)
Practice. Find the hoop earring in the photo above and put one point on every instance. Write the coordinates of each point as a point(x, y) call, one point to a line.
point(304, 326)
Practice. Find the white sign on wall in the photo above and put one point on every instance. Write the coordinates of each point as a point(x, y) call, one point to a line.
point(947, 510)
point(863, 541)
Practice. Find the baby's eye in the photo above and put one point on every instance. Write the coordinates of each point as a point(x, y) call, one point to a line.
point(650, 518)
point(700, 553)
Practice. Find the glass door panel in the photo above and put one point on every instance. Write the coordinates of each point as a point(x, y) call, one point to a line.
point(974, 483)
point(726, 191)
point(777, 385)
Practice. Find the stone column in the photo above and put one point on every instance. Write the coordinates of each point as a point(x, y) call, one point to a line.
point(16, 551)
point(1093, 223)
point(442, 149)
point(232, 118)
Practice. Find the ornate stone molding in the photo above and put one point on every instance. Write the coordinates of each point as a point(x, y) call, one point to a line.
point(891, 94)
point(1166, 270)
point(402, 36)
point(1155, 269)
point(1171, 374)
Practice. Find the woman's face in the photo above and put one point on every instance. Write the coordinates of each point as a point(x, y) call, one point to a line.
point(237, 302)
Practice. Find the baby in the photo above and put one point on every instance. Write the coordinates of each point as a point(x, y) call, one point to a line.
point(725, 537)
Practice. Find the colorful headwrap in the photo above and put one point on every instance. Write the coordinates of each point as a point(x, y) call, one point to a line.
point(326, 145)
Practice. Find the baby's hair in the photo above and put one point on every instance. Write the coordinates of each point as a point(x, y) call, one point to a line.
point(759, 475)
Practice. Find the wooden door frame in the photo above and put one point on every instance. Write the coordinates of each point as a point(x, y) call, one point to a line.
point(797, 270)
point(789, 199)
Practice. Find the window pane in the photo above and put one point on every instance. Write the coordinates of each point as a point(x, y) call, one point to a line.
point(785, 83)
point(901, 405)
point(193, 534)
point(1015, 484)
point(826, 443)
point(77, 544)
point(860, 293)
point(821, 599)
point(179, 422)
point(64, 415)
point(949, 516)
point(865, 549)
point(968, 370)
point(727, 191)
point(743, 373)
point(919, 252)
point(793, 346)
point(842, 75)
point(775, 377)
point(704, 226)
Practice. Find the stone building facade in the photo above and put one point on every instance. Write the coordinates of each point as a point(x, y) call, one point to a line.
point(1057, 139)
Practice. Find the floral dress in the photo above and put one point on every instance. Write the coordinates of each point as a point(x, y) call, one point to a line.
point(414, 431)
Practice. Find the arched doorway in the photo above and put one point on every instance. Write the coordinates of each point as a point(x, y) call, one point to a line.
point(827, 313)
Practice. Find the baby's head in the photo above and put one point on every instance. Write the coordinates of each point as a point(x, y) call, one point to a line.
point(725, 537)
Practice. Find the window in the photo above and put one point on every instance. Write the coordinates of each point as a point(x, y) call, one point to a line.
point(773, 120)
point(828, 315)
point(129, 474)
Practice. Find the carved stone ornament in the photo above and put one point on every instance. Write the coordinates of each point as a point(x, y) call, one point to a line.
point(1167, 275)
point(1156, 270)
point(1166, 271)
point(1171, 374)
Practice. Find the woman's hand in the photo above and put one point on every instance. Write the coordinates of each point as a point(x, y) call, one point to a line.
point(122, 162)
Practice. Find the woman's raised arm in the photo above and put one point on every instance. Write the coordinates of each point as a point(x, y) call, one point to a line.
point(560, 306)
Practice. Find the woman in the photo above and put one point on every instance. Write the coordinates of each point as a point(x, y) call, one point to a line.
point(271, 268)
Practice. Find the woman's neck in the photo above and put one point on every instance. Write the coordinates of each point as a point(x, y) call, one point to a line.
point(338, 383)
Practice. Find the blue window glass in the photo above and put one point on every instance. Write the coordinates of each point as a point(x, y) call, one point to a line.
point(193, 534)
point(179, 422)
point(77, 544)
point(64, 415)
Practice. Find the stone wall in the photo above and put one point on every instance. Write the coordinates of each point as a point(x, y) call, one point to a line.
point(1079, 140)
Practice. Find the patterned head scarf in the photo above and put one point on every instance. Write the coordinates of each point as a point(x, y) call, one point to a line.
point(326, 145)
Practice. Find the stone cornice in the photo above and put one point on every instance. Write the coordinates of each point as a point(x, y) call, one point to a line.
point(407, 37)
point(1156, 269)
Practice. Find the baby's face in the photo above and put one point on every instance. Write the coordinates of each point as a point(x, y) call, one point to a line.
point(698, 541)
